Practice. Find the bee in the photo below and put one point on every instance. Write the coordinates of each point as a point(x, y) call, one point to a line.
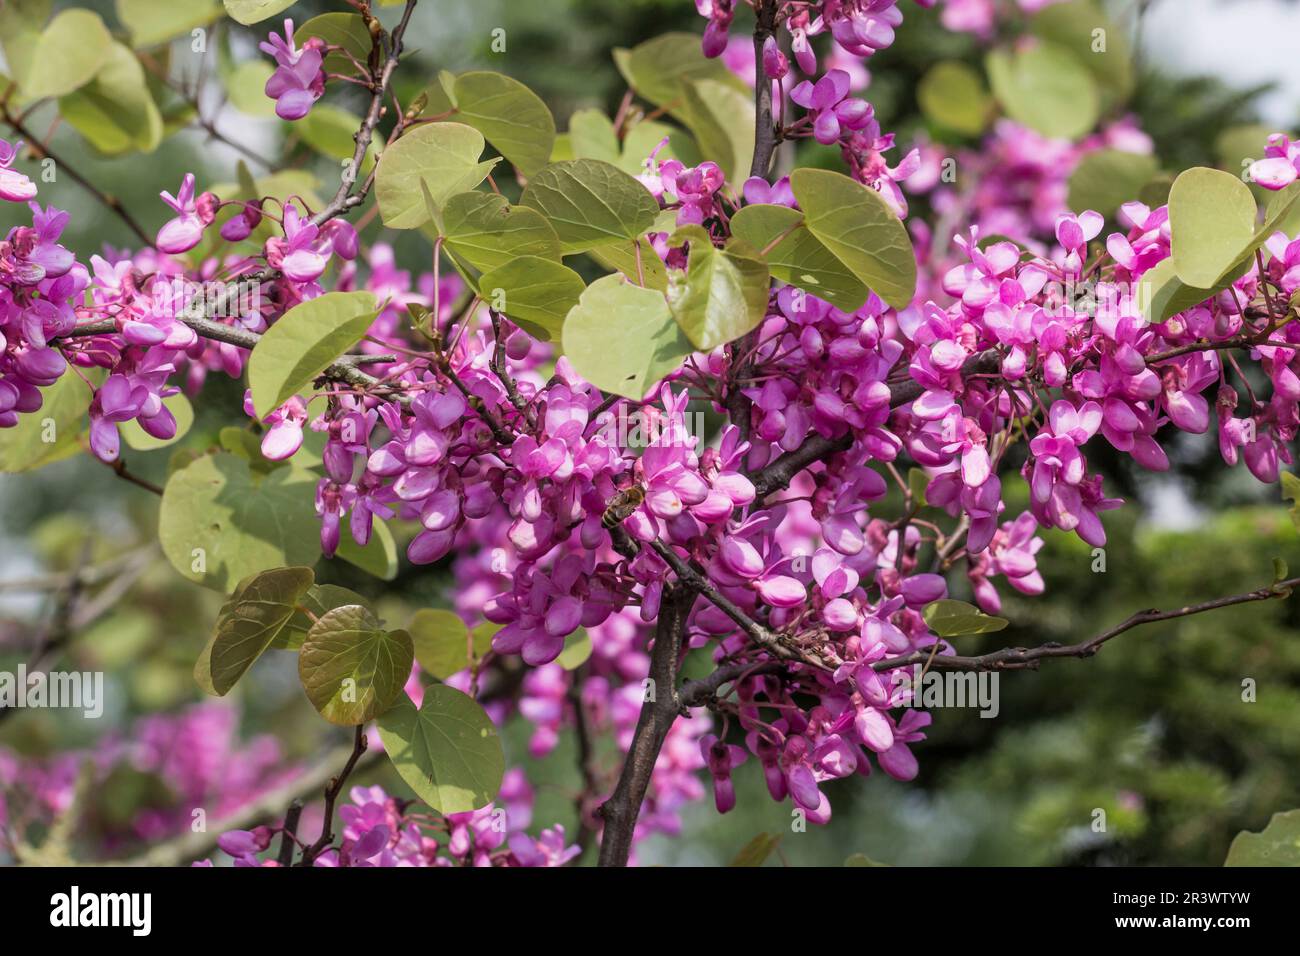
point(619, 508)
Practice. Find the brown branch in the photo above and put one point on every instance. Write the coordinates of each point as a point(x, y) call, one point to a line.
point(331, 795)
point(658, 713)
point(1022, 658)
point(591, 785)
point(699, 584)
point(120, 469)
point(289, 835)
point(764, 131)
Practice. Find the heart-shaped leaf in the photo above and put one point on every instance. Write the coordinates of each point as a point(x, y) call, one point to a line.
point(249, 622)
point(535, 293)
point(590, 203)
point(721, 295)
point(115, 111)
point(351, 668)
point(444, 645)
point(442, 157)
point(860, 229)
point(1278, 844)
point(221, 522)
point(622, 338)
point(346, 30)
point(303, 343)
point(1045, 87)
point(512, 117)
point(488, 232)
point(798, 258)
point(1211, 224)
point(249, 12)
point(448, 751)
point(952, 94)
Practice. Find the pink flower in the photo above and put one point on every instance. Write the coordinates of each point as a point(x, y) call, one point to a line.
point(185, 231)
point(299, 79)
point(14, 186)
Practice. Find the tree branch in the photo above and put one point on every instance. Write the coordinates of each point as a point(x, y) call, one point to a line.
point(658, 712)
point(331, 795)
point(1028, 658)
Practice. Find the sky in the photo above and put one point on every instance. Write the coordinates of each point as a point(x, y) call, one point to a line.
point(1246, 42)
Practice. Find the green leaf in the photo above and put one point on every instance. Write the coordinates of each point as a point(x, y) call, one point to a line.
point(757, 851)
point(351, 668)
point(622, 338)
point(248, 623)
point(953, 95)
point(860, 229)
point(346, 30)
point(1161, 293)
point(798, 258)
point(1211, 224)
point(917, 482)
point(535, 293)
point(443, 644)
point(949, 618)
point(245, 86)
point(1279, 570)
point(577, 648)
point(488, 232)
point(1046, 88)
point(511, 116)
point(657, 68)
point(592, 136)
point(320, 599)
point(20, 29)
point(114, 111)
point(52, 432)
point(623, 257)
point(1105, 180)
point(221, 522)
point(1291, 493)
point(139, 439)
point(1074, 27)
point(590, 203)
point(1282, 212)
point(721, 295)
point(249, 12)
point(721, 117)
point(448, 751)
point(1278, 844)
point(377, 557)
point(70, 51)
point(303, 343)
point(152, 22)
point(442, 156)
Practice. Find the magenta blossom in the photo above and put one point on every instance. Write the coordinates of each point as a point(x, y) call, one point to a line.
point(299, 79)
point(185, 231)
point(14, 186)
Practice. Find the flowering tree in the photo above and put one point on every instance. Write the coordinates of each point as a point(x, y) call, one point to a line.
point(707, 441)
